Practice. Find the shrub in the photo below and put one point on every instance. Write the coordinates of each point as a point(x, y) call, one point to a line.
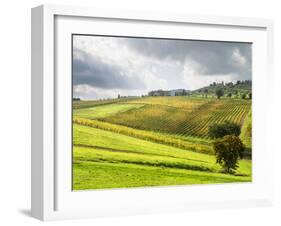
point(226, 128)
point(228, 150)
point(250, 95)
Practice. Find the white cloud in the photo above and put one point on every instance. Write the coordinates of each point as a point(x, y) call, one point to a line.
point(87, 92)
point(239, 59)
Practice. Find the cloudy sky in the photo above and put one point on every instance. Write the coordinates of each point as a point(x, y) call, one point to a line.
point(104, 67)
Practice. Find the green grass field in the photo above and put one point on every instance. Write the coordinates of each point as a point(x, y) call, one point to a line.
point(153, 141)
point(103, 111)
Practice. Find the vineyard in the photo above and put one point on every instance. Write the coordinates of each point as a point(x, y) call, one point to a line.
point(182, 117)
point(149, 141)
point(180, 102)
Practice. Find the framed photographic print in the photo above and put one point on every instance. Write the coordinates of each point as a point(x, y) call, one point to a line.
point(136, 113)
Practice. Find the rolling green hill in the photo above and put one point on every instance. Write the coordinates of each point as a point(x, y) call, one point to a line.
point(105, 110)
point(150, 141)
point(112, 160)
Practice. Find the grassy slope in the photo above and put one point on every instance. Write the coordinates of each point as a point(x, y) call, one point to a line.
point(102, 111)
point(111, 160)
point(92, 103)
point(95, 175)
point(189, 143)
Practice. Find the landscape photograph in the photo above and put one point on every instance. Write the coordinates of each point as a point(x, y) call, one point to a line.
point(160, 112)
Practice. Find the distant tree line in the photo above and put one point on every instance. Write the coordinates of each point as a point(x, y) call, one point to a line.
point(238, 82)
point(123, 97)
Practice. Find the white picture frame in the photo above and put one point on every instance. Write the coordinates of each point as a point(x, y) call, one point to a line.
point(52, 197)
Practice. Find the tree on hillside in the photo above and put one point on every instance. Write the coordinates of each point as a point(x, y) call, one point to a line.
point(219, 93)
point(226, 128)
point(206, 92)
point(228, 150)
point(230, 84)
point(243, 96)
point(250, 96)
point(229, 95)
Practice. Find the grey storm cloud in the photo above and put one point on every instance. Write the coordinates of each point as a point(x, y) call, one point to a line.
point(91, 70)
point(214, 57)
point(134, 66)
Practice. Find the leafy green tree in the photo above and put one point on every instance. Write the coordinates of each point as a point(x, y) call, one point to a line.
point(229, 95)
point(226, 128)
point(243, 96)
point(219, 93)
point(250, 95)
point(228, 150)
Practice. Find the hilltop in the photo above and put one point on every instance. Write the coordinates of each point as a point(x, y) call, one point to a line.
point(238, 89)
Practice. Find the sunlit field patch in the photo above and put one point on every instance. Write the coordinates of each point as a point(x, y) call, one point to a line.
point(187, 121)
point(114, 155)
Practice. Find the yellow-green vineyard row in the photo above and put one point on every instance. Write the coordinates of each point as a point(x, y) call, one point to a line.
point(198, 122)
point(181, 102)
point(192, 145)
point(182, 121)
